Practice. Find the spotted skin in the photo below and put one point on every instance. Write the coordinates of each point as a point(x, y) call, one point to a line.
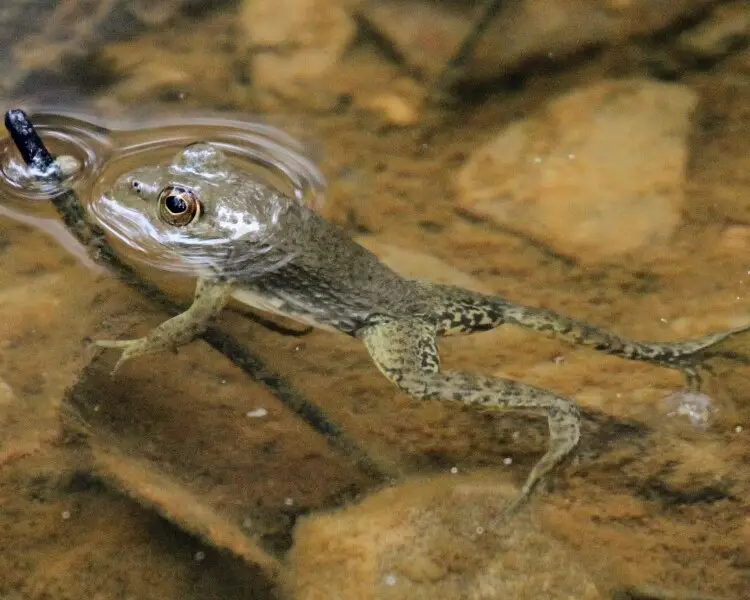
point(405, 351)
point(462, 312)
point(333, 283)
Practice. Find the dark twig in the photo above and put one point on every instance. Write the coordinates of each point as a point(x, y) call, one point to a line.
point(37, 157)
point(464, 52)
point(650, 593)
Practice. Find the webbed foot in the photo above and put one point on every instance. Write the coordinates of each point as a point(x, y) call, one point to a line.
point(210, 297)
point(693, 358)
point(131, 349)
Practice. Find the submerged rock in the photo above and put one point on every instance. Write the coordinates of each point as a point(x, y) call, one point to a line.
point(39, 36)
point(728, 27)
point(596, 174)
point(434, 539)
point(295, 41)
point(426, 33)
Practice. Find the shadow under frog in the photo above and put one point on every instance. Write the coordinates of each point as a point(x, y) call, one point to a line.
point(270, 251)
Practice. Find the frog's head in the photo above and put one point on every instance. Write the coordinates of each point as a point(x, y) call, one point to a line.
point(199, 191)
point(193, 210)
point(180, 194)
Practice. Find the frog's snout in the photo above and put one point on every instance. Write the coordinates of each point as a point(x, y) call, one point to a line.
point(132, 187)
point(136, 186)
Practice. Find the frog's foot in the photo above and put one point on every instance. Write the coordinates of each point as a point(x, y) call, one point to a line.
point(210, 298)
point(694, 357)
point(131, 349)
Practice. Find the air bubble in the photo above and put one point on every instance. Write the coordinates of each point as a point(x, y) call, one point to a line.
point(696, 407)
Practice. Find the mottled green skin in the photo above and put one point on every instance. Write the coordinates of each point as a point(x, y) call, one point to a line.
point(332, 282)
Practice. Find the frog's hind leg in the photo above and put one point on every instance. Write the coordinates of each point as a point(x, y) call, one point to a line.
point(688, 357)
point(209, 300)
point(406, 353)
point(460, 311)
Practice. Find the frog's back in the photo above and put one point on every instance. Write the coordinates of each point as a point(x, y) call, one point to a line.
point(328, 280)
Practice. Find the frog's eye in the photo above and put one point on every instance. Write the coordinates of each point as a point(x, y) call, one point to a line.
point(178, 206)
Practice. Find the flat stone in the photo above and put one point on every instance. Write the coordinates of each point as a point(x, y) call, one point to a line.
point(178, 504)
point(437, 538)
point(596, 175)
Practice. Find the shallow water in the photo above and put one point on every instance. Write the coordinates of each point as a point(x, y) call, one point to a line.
point(183, 477)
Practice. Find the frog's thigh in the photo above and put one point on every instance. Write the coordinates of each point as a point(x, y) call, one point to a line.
point(405, 351)
point(209, 300)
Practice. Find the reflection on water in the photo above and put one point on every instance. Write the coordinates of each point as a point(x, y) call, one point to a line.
point(106, 160)
point(544, 177)
point(55, 229)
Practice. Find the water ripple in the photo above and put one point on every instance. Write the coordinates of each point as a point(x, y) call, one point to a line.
point(101, 155)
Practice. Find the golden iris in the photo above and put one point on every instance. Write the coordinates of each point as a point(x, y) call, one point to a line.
point(178, 205)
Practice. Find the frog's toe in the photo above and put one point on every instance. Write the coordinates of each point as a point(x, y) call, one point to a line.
point(113, 343)
point(731, 346)
point(130, 349)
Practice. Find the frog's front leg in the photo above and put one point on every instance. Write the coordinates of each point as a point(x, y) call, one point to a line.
point(210, 298)
point(406, 353)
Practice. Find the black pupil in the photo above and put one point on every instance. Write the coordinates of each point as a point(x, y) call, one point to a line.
point(175, 204)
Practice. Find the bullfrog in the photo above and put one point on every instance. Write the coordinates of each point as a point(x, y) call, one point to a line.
point(317, 275)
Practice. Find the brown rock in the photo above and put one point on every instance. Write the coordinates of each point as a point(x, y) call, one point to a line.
point(735, 239)
point(395, 109)
point(428, 32)
point(295, 41)
point(597, 174)
point(140, 481)
point(433, 539)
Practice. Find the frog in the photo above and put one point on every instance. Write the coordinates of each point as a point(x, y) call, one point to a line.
point(317, 275)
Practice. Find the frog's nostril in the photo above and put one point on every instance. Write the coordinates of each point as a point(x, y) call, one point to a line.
point(137, 187)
